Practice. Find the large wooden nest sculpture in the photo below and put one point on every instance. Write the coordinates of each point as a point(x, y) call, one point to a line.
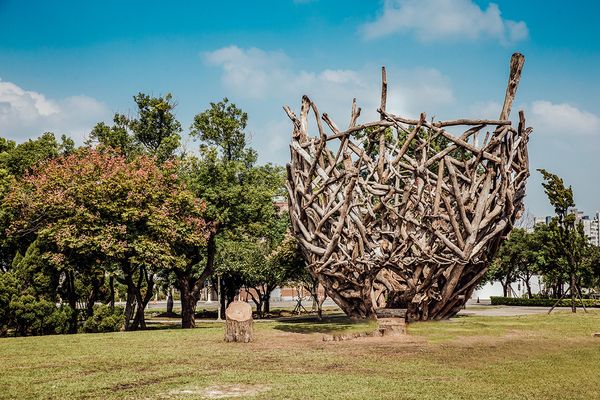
point(404, 214)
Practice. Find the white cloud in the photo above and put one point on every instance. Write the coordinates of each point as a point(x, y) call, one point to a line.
point(25, 113)
point(432, 20)
point(545, 117)
point(260, 75)
point(562, 119)
point(486, 110)
point(267, 80)
point(250, 72)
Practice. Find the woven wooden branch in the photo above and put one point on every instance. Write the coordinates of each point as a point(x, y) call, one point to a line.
point(403, 213)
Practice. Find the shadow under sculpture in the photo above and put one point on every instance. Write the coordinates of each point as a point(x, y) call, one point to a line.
point(403, 213)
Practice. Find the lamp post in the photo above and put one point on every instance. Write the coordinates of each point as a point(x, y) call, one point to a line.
point(219, 316)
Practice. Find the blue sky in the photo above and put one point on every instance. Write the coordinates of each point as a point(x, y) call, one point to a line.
point(65, 65)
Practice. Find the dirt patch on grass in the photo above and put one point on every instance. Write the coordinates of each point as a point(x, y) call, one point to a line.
point(221, 391)
point(122, 386)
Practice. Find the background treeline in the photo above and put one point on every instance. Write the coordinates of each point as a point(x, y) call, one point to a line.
point(134, 212)
point(558, 253)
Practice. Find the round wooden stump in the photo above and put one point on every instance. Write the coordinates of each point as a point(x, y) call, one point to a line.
point(392, 321)
point(238, 322)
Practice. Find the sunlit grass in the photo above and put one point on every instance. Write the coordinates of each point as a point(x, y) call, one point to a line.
point(527, 357)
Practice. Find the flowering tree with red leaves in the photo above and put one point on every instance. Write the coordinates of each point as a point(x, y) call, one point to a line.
point(97, 214)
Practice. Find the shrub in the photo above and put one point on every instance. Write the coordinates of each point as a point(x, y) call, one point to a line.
point(105, 319)
point(8, 289)
point(32, 316)
point(539, 302)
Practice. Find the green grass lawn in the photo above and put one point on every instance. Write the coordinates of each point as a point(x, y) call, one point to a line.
point(527, 357)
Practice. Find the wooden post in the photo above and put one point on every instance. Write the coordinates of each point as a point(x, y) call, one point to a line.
point(238, 324)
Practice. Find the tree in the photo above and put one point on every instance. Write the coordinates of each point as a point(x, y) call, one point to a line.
point(222, 126)
point(568, 240)
point(154, 131)
point(592, 268)
point(15, 161)
point(238, 193)
point(96, 213)
point(288, 254)
point(516, 259)
point(258, 264)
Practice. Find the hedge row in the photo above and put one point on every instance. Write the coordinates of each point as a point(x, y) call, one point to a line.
point(516, 301)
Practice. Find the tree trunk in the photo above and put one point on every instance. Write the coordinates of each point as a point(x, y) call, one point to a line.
point(111, 284)
point(188, 305)
point(505, 288)
point(221, 298)
point(136, 303)
point(258, 300)
point(72, 299)
point(238, 324)
point(188, 314)
point(318, 300)
point(139, 321)
point(91, 299)
point(129, 306)
point(573, 293)
point(267, 302)
point(170, 301)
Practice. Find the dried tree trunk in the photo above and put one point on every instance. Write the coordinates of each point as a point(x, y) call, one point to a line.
point(238, 323)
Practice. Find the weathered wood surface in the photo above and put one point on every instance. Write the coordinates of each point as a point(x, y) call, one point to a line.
point(238, 322)
point(405, 213)
point(391, 321)
point(391, 326)
point(391, 313)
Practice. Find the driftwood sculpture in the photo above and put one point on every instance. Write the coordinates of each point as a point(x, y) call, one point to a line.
point(404, 214)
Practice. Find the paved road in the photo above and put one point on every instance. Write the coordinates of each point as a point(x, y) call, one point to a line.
point(503, 311)
point(482, 309)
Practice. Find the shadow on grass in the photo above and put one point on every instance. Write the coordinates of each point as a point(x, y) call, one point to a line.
point(311, 324)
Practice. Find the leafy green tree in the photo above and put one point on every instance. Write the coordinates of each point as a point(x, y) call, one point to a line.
point(258, 264)
point(222, 126)
point(105, 319)
point(18, 159)
point(567, 239)
point(28, 297)
point(154, 131)
point(515, 260)
point(238, 193)
point(8, 290)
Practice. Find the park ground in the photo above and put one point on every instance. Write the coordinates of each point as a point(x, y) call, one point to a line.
point(473, 356)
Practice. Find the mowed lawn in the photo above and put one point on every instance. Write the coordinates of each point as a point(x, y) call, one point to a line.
point(528, 357)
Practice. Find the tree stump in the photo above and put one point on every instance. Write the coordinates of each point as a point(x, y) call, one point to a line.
point(392, 321)
point(238, 322)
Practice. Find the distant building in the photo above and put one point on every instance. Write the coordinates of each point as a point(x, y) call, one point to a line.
point(595, 230)
point(591, 225)
point(280, 203)
point(541, 220)
point(591, 228)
